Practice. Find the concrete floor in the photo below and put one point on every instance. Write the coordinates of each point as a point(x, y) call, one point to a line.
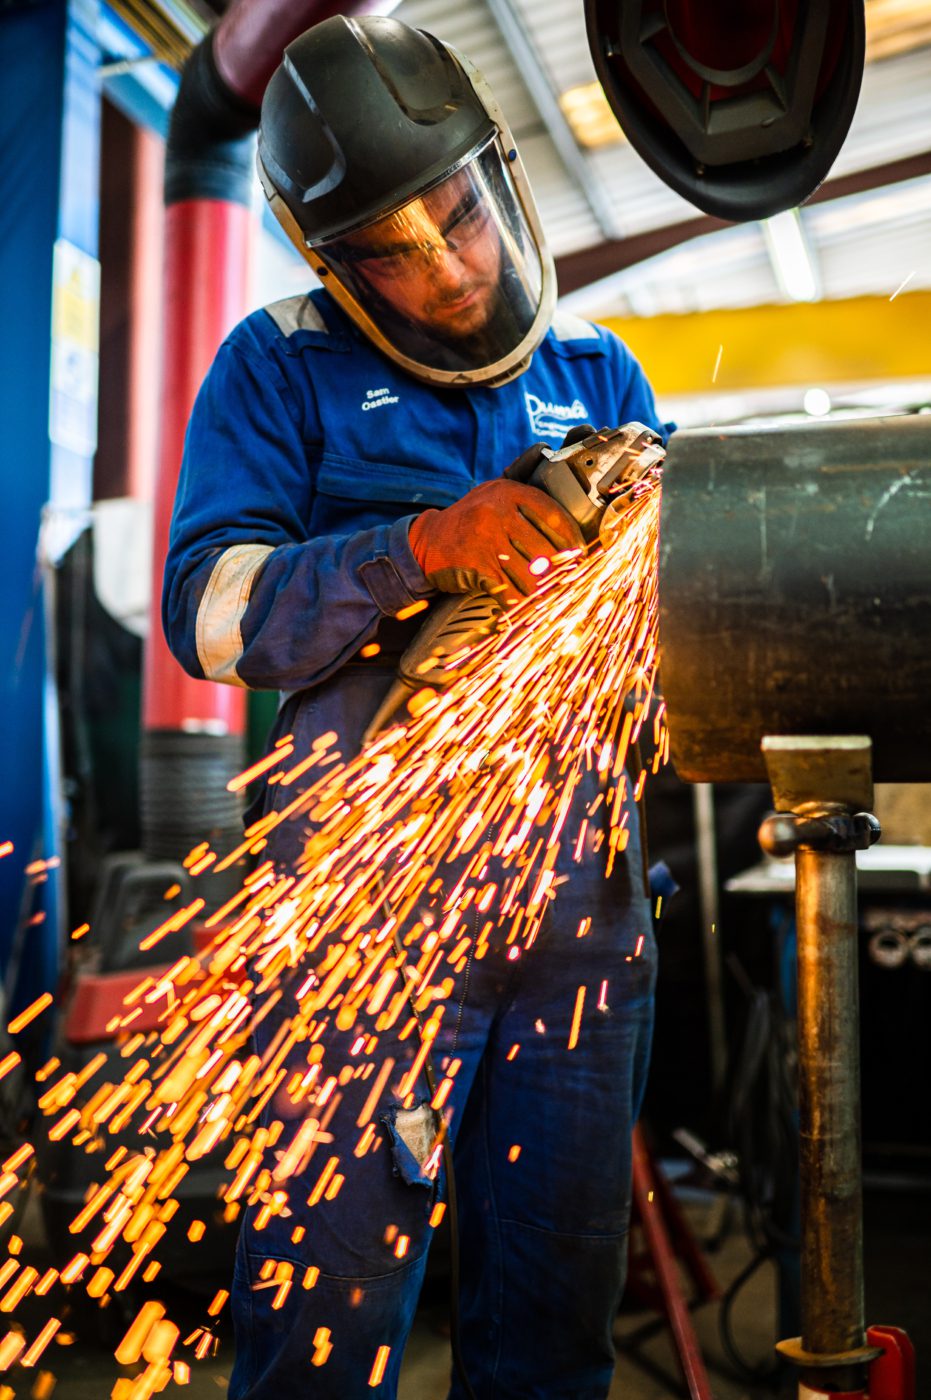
point(898, 1265)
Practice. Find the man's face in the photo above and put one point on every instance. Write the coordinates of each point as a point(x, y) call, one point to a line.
point(436, 261)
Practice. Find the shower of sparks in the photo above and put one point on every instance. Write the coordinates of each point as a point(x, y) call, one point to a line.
point(483, 773)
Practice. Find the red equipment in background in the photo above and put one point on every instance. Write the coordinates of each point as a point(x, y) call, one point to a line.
point(206, 289)
point(193, 732)
point(653, 1274)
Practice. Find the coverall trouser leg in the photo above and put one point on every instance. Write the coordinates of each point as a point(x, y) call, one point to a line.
point(542, 1147)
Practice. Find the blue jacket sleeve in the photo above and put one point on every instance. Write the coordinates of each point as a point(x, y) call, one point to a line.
point(248, 598)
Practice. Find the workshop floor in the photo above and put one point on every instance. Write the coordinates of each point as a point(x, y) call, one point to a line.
point(898, 1250)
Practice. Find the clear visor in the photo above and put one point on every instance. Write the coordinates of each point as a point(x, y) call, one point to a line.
point(452, 280)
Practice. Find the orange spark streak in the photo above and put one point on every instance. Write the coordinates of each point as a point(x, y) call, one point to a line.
point(378, 1369)
point(41, 1342)
point(172, 924)
point(73, 1271)
point(19, 1022)
point(381, 1079)
point(576, 1018)
point(323, 1181)
point(10, 1348)
point(262, 766)
point(130, 1348)
point(412, 610)
point(322, 1347)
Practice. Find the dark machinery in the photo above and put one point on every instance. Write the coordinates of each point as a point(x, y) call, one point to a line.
point(795, 619)
point(740, 106)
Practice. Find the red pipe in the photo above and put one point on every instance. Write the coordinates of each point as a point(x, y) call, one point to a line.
point(206, 289)
point(253, 34)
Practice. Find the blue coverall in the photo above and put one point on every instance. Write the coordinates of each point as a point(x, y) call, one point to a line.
point(307, 455)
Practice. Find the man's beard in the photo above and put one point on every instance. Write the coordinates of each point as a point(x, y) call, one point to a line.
point(476, 316)
point(510, 315)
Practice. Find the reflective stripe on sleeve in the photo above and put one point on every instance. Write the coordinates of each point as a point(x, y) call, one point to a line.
point(218, 632)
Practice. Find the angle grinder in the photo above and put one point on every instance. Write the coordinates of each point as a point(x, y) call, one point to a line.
point(592, 479)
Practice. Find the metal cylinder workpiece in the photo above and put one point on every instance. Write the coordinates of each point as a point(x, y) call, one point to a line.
point(795, 593)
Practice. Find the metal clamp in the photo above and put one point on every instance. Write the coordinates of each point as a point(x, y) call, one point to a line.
point(783, 833)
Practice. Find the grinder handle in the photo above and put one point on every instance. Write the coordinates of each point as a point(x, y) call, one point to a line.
point(454, 623)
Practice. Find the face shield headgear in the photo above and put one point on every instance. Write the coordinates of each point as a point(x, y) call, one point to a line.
point(427, 236)
point(451, 283)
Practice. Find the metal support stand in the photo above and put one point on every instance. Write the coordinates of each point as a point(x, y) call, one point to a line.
point(822, 791)
point(654, 1276)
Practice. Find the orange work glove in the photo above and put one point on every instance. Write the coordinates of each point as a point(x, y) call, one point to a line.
point(488, 539)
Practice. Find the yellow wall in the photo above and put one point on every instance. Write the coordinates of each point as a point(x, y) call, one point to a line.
point(827, 342)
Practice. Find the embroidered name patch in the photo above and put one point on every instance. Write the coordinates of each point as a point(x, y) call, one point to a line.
point(377, 398)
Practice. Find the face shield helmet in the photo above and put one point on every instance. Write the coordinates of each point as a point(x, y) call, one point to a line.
point(388, 162)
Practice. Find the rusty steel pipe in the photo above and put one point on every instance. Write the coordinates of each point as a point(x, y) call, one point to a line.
point(829, 1102)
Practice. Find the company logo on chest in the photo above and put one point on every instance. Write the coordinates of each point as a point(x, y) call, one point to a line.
point(378, 398)
point(553, 419)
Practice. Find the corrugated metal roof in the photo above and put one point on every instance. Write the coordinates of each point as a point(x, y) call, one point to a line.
point(872, 243)
point(731, 268)
point(567, 217)
point(469, 27)
point(864, 245)
point(893, 116)
point(559, 32)
point(586, 196)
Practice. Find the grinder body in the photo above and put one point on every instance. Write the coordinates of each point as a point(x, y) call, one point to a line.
point(591, 479)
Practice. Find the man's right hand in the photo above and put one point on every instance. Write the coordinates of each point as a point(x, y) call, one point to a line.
point(489, 538)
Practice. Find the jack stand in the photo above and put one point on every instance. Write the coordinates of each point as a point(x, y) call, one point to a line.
point(668, 1237)
point(822, 792)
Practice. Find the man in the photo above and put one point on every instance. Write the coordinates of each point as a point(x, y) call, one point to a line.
point(344, 461)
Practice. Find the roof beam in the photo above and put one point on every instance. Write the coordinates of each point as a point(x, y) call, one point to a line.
point(576, 270)
point(537, 81)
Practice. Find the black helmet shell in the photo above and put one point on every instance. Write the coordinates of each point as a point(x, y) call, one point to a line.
point(362, 115)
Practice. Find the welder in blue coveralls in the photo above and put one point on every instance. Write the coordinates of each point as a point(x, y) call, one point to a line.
point(344, 460)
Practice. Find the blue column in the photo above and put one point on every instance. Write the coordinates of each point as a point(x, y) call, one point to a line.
point(49, 149)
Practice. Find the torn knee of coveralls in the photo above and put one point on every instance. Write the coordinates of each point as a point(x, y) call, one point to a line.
point(414, 1147)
